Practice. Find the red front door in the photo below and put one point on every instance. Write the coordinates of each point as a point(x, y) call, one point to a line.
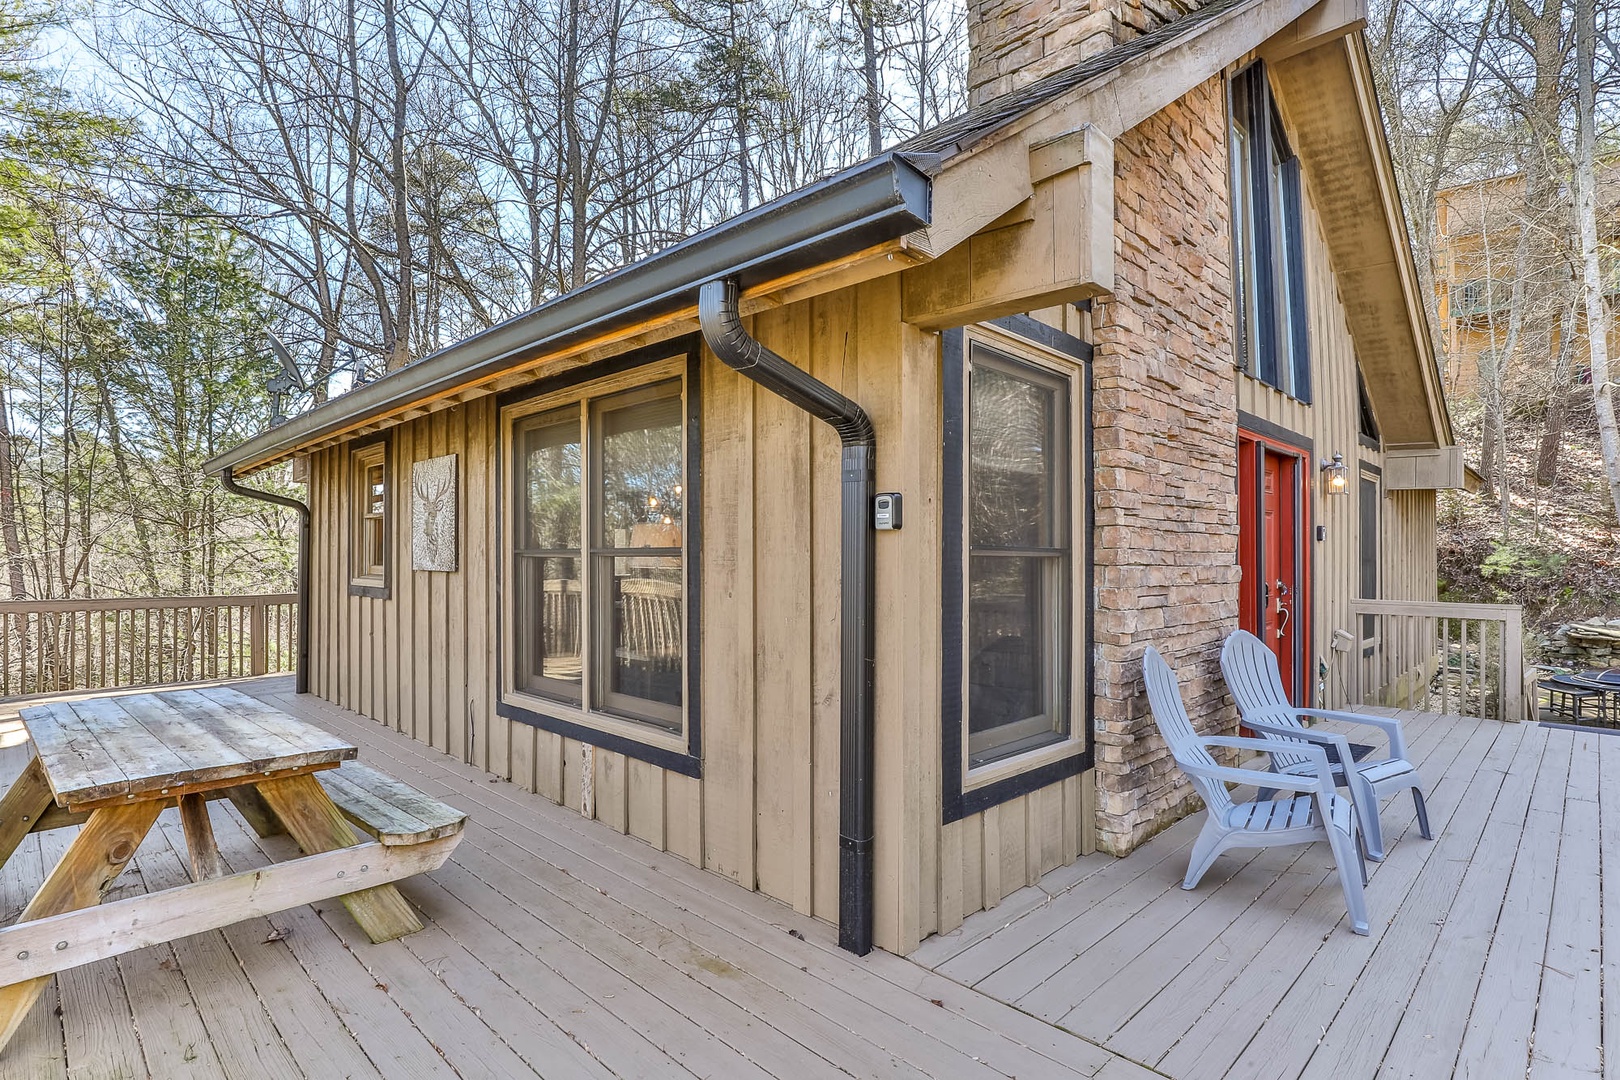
point(1271, 552)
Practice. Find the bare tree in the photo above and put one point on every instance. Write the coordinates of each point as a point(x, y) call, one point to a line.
point(1597, 314)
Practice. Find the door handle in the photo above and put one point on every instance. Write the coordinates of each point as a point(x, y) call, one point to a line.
point(1283, 608)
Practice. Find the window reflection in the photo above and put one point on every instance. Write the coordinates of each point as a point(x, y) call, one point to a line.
point(1018, 568)
point(549, 624)
point(601, 624)
point(640, 604)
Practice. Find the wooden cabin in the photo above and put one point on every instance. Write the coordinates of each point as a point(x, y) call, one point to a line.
point(821, 549)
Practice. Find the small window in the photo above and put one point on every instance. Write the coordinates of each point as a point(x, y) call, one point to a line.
point(1369, 551)
point(1016, 602)
point(1268, 257)
point(369, 557)
point(1368, 420)
point(600, 501)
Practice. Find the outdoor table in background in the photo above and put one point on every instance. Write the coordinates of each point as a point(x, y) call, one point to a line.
point(1569, 692)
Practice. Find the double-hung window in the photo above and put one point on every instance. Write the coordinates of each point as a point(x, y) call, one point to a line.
point(1268, 259)
point(368, 556)
point(1017, 578)
point(1019, 556)
point(598, 597)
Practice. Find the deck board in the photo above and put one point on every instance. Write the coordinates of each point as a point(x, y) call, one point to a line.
point(553, 947)
point(1488, 955)
point(557, 947)
point(1309, 967)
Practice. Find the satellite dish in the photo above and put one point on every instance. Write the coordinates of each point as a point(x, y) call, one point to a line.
point(288, 367)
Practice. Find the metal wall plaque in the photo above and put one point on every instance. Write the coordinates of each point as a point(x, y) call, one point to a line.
point(433, 514)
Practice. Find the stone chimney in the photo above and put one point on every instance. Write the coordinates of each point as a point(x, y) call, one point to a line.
point(1012, 43)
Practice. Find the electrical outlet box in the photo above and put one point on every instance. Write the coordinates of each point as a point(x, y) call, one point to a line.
point(886, 511)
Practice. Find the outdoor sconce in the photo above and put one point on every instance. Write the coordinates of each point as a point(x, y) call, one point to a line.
point(1338, 475)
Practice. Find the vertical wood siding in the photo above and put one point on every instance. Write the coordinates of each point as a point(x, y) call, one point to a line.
point(765, 813)
point(1332, 423)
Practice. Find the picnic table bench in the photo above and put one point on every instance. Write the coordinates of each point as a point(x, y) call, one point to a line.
point(112, 764)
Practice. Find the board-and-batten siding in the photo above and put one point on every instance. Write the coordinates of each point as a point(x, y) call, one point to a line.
point(765, 813)
point(1332, 423)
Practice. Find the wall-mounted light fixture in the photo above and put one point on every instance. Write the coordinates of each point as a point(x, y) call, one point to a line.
point(1338, 475)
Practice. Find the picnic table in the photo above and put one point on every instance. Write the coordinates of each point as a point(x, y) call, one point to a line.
point(112, 764)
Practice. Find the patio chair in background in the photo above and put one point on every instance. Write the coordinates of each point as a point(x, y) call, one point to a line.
point(1256, 685)
point(1316, 813)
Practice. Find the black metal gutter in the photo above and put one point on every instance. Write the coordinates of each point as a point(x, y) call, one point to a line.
point(228, 479)
point(867, 204)
point(724, 333)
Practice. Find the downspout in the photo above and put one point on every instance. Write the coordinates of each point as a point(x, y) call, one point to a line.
point(723, 332)
point(301, 678)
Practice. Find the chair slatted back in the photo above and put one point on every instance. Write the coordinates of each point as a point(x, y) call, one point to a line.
point(1255, 680)
point(1170, 714)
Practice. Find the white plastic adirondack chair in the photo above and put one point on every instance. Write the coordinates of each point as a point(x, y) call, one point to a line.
point(1256, 683)
point(1315, 813)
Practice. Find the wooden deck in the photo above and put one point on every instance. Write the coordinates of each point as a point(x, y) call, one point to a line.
point(1489, 955)
point(554, 947)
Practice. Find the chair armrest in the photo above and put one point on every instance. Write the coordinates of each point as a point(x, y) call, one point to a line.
point(1269, 746)
point(1388, 724)
point(1235, 742)
point(1337, 746)
point(1256, 778)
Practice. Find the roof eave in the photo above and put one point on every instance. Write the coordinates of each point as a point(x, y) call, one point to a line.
point(875, 201)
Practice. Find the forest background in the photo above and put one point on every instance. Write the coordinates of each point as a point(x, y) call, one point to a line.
point(370, 180)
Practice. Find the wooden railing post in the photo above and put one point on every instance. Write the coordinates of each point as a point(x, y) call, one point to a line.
point(1513, 664)
point(258, 643)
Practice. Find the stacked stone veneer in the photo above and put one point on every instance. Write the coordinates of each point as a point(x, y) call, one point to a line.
point(1165, 438)
point(1012, 43)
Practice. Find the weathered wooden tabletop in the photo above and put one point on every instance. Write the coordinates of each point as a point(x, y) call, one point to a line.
point(116, 750)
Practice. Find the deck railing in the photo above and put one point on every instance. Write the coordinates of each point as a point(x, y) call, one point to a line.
point(59, 646)
point(1464, 659)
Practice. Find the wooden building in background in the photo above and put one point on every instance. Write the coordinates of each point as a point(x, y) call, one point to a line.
point(1479, 227)
point(1113, 333)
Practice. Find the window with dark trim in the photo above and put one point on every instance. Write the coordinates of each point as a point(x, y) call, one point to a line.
point(1268, 264)
point(599, 626)
point(368, 553)
point(1368, 419)
point(1369, 550)
point(1017, 562)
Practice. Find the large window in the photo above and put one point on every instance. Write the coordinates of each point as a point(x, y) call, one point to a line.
point(1016, 573)
point(1268, 271)
point(1019, 555)
point(368, 556)
point(598, 601)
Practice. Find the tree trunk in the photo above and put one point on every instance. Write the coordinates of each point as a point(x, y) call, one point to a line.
point(1597, 315)
point(8, 504)
point(406, 295)
point(869, 69)
point(574, 149)
point(1552, 428)
point(126, 484)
